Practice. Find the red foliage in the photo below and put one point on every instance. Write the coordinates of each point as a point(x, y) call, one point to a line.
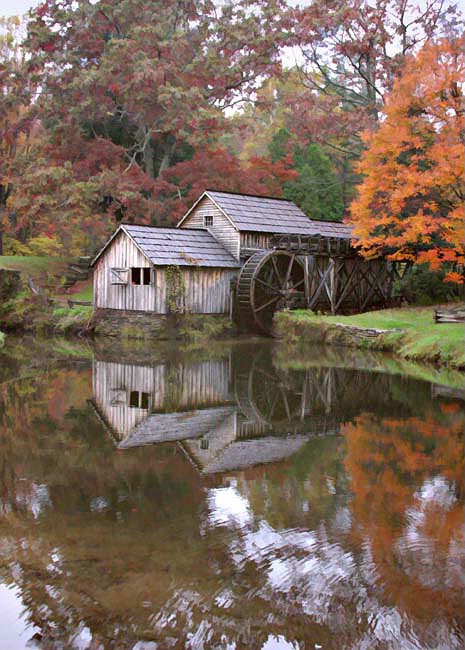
point(178, 187)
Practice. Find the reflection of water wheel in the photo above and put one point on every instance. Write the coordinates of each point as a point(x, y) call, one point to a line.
point(268, 281)
point(270, 397)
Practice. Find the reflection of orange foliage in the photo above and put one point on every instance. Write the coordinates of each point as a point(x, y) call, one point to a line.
point(389, 460)
point(449, 407)
point(67, 389)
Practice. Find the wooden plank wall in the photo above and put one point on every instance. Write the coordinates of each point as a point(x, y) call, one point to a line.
point(255, 240)
point(207, 291)
point(222, 229)
point(123, 253)
point(172, 387)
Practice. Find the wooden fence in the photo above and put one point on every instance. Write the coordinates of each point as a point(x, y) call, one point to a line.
point(449, 315)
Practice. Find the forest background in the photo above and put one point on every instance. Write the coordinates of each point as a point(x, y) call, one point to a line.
point(127, 110)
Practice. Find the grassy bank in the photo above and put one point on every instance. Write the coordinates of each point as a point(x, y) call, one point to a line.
point(409, 332)
point(2, 339)
point(27, 313)
point(40, 269)
point(47, 313)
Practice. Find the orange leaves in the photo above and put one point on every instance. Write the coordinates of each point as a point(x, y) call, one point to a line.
point(410, 201)
point(454, 277)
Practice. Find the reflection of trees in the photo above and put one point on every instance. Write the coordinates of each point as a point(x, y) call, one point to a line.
point(354, 537)
point(407, 480)
point(79, 521)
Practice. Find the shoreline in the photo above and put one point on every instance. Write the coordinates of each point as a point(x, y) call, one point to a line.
point(408, 333)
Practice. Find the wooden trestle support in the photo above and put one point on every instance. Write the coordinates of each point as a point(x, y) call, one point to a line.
point(318, 273)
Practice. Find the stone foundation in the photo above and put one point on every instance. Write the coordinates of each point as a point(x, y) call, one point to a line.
point(146, 325)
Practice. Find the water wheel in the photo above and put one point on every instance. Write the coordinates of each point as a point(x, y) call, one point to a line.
point(268, 281)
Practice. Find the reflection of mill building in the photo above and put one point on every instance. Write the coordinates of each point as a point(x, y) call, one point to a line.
point(235, 410)
point(225, 416)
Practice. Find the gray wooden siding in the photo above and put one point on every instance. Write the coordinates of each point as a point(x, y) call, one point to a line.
point(123, 253)
point(255, 240)
point(207, 291)
point(222, 229)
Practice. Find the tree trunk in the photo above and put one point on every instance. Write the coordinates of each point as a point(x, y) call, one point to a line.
point(148, 160)
point(2, 213)
point(166, 160)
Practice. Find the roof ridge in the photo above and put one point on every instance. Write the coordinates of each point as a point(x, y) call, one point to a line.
point(173, 228)
point(256, 196)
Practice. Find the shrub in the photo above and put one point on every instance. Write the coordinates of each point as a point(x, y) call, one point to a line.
point(421, 286)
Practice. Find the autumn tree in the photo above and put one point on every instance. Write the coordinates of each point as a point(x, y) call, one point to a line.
point(410, 203)
point(352, 52)
point(347, 56)
point(16, 124)
point(72, 192)
point(176, 189)
point(127, 91)
point(150, 76)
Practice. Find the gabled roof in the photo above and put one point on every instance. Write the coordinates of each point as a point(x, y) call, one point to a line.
point(252, 213)
point(240, 454)
point(178, 247)
point(171, 427)
point(263, 214)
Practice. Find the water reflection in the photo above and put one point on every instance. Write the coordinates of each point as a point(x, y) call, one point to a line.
point(233, 412)
point(216, 499)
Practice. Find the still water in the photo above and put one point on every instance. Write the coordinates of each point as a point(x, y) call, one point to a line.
point(230, 497)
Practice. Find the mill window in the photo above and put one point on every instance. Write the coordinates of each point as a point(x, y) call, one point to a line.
point(141, 275)
point(208, 220)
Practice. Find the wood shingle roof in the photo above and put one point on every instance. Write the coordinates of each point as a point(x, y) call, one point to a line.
point(271, 215)
point(177, 247)
point(181, 247)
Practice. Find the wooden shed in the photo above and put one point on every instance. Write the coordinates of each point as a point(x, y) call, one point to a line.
point(242, 254)
point(164, 270)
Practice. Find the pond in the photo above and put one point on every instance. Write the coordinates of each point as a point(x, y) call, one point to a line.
point(232, 496)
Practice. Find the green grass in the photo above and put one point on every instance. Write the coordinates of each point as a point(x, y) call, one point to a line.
point(33, 265)
point(67, 320)
point(86, 294)
point(2, 339)
point(419, 337)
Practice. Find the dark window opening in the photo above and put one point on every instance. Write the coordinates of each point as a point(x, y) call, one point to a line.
point(204, 444)
point(141, 275)
point(146, 276)
point(208, 220)
point(139, 400)
point(144, 401)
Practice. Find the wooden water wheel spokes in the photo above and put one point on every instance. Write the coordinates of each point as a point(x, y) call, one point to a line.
point(268, 281)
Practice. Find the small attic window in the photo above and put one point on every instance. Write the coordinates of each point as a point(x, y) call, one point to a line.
point(208, 220)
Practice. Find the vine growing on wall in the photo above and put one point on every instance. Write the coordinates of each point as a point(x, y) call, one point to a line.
point(175, 290)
